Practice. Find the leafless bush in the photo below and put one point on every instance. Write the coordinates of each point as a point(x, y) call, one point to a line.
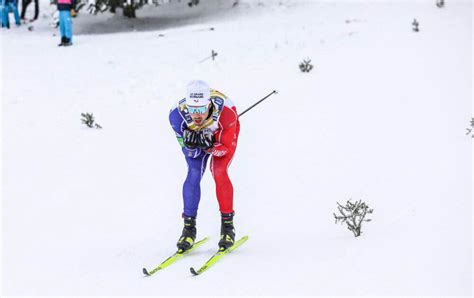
point(353, 215)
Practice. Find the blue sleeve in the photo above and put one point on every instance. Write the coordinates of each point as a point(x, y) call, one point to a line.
point(179, 125)
point(176, 122)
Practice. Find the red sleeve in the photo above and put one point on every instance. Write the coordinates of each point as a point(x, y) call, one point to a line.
point(225, 136)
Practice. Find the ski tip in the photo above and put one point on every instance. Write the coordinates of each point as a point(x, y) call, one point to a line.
point(203, 239)
point(193, 271)
point(145, 272)
point(244, 238)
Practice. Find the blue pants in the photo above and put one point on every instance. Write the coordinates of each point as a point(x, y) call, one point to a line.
point(192, 185)
point(65, 24)
point(11, 7)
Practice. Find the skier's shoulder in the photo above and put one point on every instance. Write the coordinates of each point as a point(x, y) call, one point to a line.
point(228, 117)
point(180, 115)
point(179, 106)
point(217, 94)
point(176, 111)
point(220, 99)
point(225, 108)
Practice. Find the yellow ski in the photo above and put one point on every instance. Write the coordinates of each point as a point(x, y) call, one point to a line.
point(218, 255)
point(178, 255)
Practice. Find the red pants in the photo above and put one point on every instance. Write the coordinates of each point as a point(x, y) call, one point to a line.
point(224, 188)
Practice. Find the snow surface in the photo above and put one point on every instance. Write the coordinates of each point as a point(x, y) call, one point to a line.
point(382, 117)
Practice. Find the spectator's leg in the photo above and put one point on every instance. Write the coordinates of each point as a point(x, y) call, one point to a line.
point(62, 24)
point(24, 5)
point(1, 13)
point(36, 9)
point(6, 16)
point(14, 9)
point(68, 26)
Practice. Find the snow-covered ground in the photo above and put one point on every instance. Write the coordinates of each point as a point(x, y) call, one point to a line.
point(382, 117)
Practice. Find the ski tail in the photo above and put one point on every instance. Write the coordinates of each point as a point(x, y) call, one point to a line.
point(173, 258)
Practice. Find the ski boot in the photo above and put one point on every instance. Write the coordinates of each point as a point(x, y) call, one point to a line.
point(227, 231)
point(188, 236)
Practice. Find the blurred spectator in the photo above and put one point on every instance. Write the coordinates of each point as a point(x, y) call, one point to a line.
point(66, 8)
point(9, 6)
point(1, 12)
point(24, 6)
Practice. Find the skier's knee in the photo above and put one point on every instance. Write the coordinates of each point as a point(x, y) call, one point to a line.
point(220, 175)
point(194, 175)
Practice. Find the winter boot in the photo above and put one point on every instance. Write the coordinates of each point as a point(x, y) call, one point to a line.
point(227, 231)
point(67, 42)
point(63, 41)
point(188, 236)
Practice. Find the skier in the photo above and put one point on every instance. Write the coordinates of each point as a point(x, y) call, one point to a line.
point(66, 8)
point(206, 126)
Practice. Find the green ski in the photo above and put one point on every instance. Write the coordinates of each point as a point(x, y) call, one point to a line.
point(176, 256)
point(218, 255)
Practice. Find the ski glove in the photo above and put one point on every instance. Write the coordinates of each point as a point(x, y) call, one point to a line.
point(205, 141)
point(190, 139)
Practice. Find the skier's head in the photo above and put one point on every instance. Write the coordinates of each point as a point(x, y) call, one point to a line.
point(198, 101)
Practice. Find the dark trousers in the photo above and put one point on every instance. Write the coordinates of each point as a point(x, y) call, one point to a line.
point(24, 5)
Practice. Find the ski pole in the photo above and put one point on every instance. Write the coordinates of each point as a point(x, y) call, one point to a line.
point(213, 56)
point(273, 92)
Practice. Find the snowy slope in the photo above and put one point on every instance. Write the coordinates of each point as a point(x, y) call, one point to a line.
point(381, 118)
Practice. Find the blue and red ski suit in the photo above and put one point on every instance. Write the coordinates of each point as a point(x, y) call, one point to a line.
point(223, 122)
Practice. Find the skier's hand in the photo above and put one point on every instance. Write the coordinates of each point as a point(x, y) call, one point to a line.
point(73, 13)
point(190, 139)
point(205, 140)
